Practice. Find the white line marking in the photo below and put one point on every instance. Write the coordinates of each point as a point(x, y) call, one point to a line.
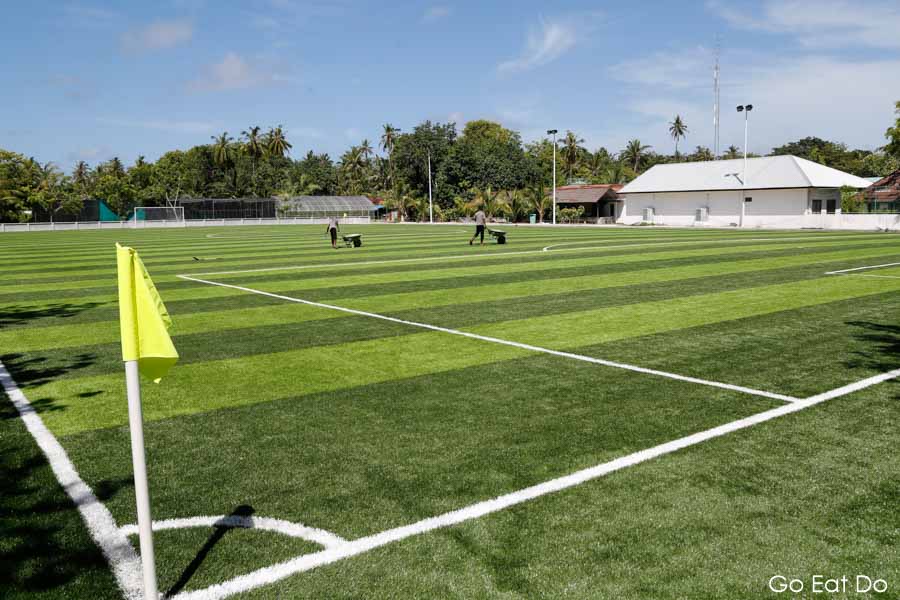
point(853, 387)
point(862, 268)
point(484, 338)
point(122, 558)
point(321, 537)
point(269, 575)
point(870, 276)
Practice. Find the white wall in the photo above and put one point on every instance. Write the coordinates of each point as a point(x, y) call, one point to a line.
point(776, 209)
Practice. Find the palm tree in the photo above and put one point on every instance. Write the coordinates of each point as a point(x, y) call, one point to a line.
point(489, 201)
point(677, 129)
point(702, 154)
point(634, 152)
point(353, 168)
point(115, 167)
point(400, 199)
point(80, 173)
point(253, 147)
point(516, 204)
point(388, 139)
point(365, 149)
point(540, 201)
point(277, 144)
point(732, 152)
point(571, 152)
point(223, 155)
point(305, 186)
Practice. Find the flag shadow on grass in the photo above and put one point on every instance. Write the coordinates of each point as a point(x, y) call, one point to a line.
point(216, 536)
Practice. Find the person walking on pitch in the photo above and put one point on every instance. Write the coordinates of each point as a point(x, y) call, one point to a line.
point(333, 229)
point(480, 219)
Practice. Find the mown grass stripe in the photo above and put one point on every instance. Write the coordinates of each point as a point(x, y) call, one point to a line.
point(328, 255)
point(402, 273)
point(45, 330)
point(95, 402)
point(425, 273)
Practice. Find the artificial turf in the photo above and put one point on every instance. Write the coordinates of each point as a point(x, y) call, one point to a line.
point(357, 425)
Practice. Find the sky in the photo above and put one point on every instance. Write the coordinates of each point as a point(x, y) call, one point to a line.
point(89, 80)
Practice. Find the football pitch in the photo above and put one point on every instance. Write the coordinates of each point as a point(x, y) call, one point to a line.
point(579, 413)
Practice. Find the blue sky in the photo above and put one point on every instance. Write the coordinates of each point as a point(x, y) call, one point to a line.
point(91, 80)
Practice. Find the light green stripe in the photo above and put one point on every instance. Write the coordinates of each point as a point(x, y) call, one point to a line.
point(97, 402)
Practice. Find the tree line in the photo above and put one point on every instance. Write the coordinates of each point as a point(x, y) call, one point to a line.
point(485, 165)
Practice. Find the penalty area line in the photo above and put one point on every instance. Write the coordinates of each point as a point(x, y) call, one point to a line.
point(307, 562)
point(842, 271)
point(494, 340)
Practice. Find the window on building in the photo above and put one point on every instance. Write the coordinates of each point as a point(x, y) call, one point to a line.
point(830, 206)
point(748, 199)
point(817, 207)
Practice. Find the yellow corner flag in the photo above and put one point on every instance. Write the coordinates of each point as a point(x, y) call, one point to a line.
point(143, 318)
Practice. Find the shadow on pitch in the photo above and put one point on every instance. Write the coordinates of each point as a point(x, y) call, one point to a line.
point(45, 544)
point(882, 346)
point(22, 315)
point(216, 536)
point(31, 370)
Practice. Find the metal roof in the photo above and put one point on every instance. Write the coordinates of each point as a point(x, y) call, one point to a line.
point(886, 189)
point(586, 194)
point(767, 172)
point(333, 203)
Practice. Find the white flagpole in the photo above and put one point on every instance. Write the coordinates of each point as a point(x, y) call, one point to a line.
point(141, 488)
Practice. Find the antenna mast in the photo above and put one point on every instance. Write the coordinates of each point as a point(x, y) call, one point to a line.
point(716, 99)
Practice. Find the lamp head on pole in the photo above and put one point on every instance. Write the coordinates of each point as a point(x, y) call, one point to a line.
point(552, 131)
point(742, 108)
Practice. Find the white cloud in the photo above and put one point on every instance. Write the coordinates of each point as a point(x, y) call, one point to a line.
point(89, 154)
point(158, 35)
point(234, 72)
point(544, 44)
point(679, 69)
point(822, 23)
point(436, 13)
point(456, 117)
point(843, 100)
point(191, 127)
point(89, 13)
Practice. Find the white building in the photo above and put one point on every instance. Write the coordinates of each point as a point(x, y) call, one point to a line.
point(777, 192)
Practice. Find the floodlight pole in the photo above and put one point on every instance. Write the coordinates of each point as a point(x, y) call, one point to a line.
point(553, 133)
point(746, 110)
point(430, 203)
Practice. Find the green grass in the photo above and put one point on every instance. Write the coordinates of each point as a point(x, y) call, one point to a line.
point(358, 425)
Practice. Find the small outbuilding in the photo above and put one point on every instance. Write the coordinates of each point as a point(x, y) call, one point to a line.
point(775, 191)
point(599, 202)
point(884, 194)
